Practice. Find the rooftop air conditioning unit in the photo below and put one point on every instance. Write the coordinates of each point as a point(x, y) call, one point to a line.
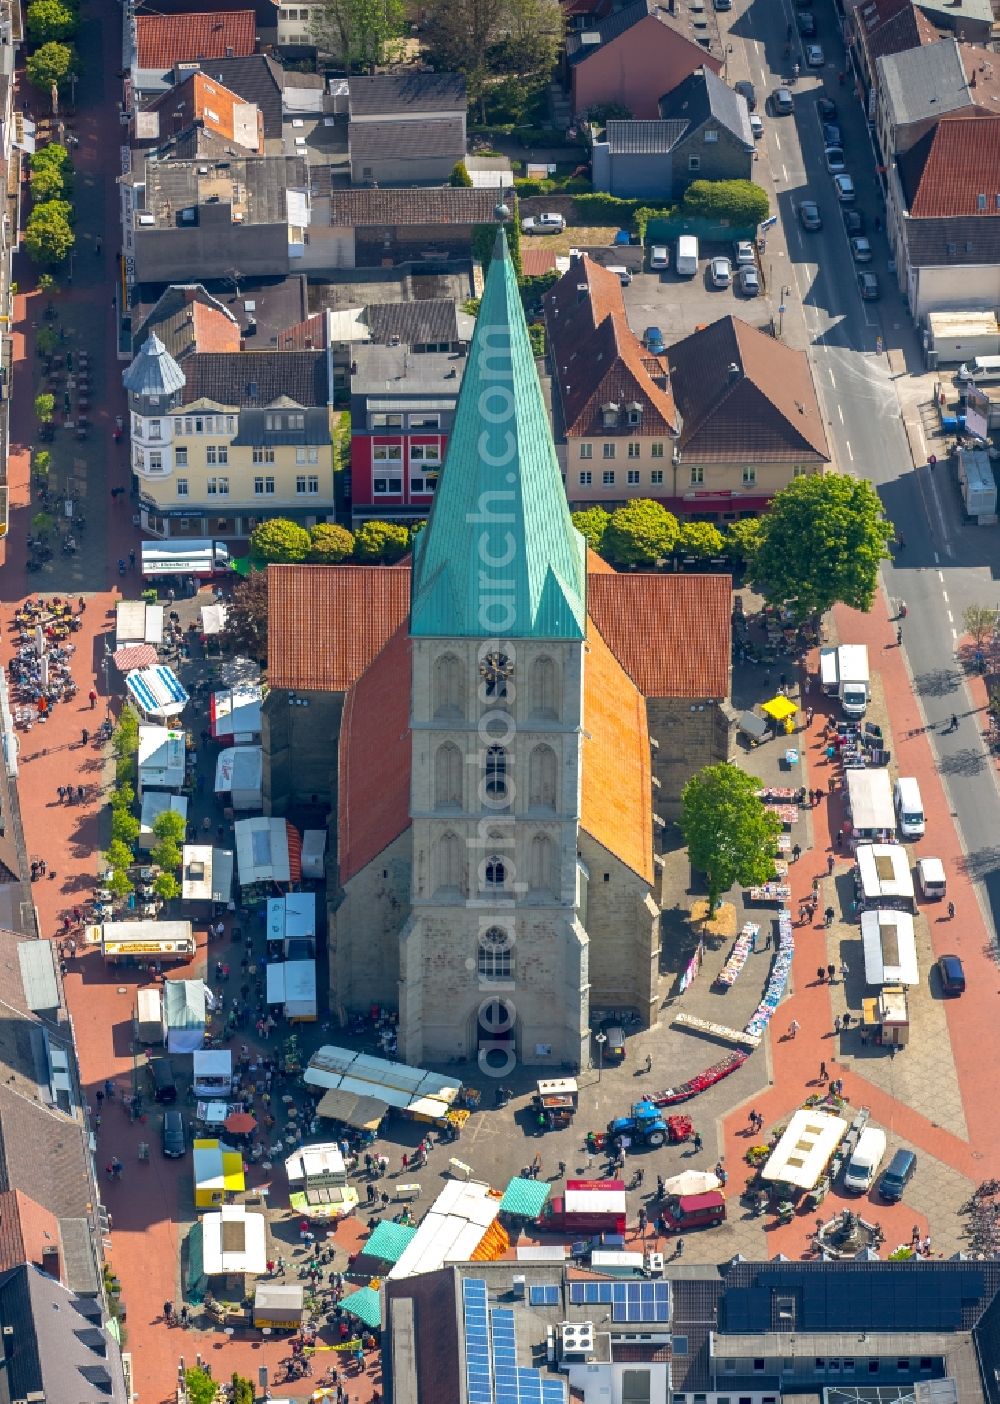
point(577, 1337)
point(654, 1264)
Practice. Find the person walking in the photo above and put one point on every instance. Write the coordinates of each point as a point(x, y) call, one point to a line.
point(836, 1023)
point(831, 970)
point(697, 1142)
point(829, 915)
point(793, 1028)
point(820, 974)
point(823, 1074)
point(168, 1308)
point(679, 1248)
point(899, 635)
point(796, 853)
point(92, 697)
point(830, 864)
point(84, 736)
point(845, 970)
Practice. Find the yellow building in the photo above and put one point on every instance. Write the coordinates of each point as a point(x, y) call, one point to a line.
point(218, 1171)
point(222, 439)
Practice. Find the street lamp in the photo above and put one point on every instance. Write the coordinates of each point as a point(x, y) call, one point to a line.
point(602, 1039)
point(785, 292)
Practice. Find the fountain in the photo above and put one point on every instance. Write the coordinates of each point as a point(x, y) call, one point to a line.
point(848, 1235)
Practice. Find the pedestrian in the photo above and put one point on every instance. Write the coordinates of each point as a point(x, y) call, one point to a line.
point(793, 1028)
point(97, 245)
point(844, 971)
point(796, 853)
point(62, 793)
point(823, 1074)
point(642, 1222)
point(661, 1188)
point(831, 970)
point(831, 784)
point(131, 558)
point(168, 1310)
point(92, 697)
point(820, 974)
point(915, 1234)
point(679, 1248)
point(847, 1021)
point(829, 915)
point(809, 716)
point(649, 1063)
point(899, 635)
point(184, 1315)
point(840, 838)
point(697, 1142)
point(836, 1023)
point(81, 793)
point(752, 1118)
point(830, 864)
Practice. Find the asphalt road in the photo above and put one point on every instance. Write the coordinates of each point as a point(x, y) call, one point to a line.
point(946, 563)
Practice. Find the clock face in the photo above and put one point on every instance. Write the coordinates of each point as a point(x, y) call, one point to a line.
point(496, 666)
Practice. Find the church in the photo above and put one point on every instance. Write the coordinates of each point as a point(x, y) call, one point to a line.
point(495, 702)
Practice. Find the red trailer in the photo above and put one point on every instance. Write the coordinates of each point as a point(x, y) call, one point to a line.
point(587, 1207)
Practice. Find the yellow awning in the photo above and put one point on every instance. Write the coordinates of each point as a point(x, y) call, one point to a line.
point(779, 708)
point(232, 1172)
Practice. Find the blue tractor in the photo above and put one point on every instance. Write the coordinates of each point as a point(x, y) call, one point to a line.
point(644, 1125)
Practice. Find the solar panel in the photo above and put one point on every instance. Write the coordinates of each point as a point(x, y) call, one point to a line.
point(477, 1342)
point(590, 1293)
point(546, 1295)
point(640, 1301)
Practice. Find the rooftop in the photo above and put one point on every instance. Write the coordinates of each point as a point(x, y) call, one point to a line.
point(955, 170)
point(924, 82)
point(206, 102)
point(392, 369)
point(187, 319)
point(634, 138)
point(432, 320)
point(262, 307)
point(701, 97)
point(684, 646)
point(406, 94)
point(425, 140)
point(441, 205)
point(257, 378)
point(163, 40)
point(252, 189)
point(698, 28)
point(893, 26)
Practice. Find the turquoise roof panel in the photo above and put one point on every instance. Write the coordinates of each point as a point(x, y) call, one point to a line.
point(499, 556)
point(388, 1242)
point(366, 1305)
point(525, 1197)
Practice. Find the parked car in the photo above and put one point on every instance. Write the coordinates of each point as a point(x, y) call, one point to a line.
point(749, 281)
point(868, 287)
point(834, 157)
point(746, 89)
point(723, 4)
point(844, 186)
point(826, 107)
point(783, 102)
point(172, 1135)
point(652, 339)
point(809, 215)
point(614, 1041)
point(854, 221)
point(756, 126)
point(659, 256)
point(861, 250)
point(721, 272)
point(744, 253)
point(831, 134)
point(547, 223)
point(807, 24)
point(815, 58)
point(897, 1175)
point(951, 974)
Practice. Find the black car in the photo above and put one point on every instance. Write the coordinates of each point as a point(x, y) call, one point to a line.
point(172, 1135)
point(807, 23)
point(952, 975)
point(747, 90)
point(853, 222)
point(827, 108)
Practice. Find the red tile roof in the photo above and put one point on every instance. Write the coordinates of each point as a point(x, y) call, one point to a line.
point(682, 648)
point(213, 330)
point(963, 162)
point(535, 262)
point(374, 781)
point(163, 40)
point(597, 357)
point(325, 624)
point(303, 336)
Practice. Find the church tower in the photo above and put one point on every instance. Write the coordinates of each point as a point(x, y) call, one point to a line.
point(494, 958)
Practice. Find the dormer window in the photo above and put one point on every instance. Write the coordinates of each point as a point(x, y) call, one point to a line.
point(609, 415)
point(633, 413)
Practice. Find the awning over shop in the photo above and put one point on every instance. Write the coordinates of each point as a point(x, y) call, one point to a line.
point(267, 850)
point(365, 1305)
point(134, 656)
point(525, 1197)
point(157, 691)
point(401, 1086)
point(389, 1241)
point(234, 715)
point(360, 1113)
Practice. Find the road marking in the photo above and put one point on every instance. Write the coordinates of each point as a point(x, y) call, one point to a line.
point(840, 411)
point(829, 372)
point(944, 594)
point(940, 573)
point(850, 451)
point(954, 633)
point(784, 171)
point(777, 141)
point(937, 561)
point(951, 617)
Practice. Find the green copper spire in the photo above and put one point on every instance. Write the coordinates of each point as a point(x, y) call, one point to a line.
point(499, 555)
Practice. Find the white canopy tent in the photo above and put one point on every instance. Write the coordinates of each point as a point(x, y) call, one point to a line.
point(804, 1151)
point(235, 713)
point(884, 874)
point(155, 803)
point(161, 758)
point(890, 948)
point(207, 874)
point(292, 984)
point(157, 691)
point(262, 850)
point(213, 620)
point(451, 1230)
point(398, 1085)
point(869, 796)
point(185, 1006)
point(137, 622)
point(233, 1240)
point(239, 777)
point(291, 916)
point(212, 1070)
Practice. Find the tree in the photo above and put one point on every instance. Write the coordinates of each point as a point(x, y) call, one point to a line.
point(739, 201)
point(979, 621)
point(169, 827)
point(532, 42)
point(42, 462)
point(242, 1390)
point(48, 234)
point(358, 33)
point(50, 65)
point(330, 544)
point(700, 539)
point(45, 407)
point(125, 737)
point(592, 523)
point(460, 175)
point(118, 855)
point(166, 887)
point(381, 541)
point(124, 825)
point(640, 533)
point(459, 34)
point(730, 835)
point(43, 523)
point(47, 183)
point(200, 1388)
point(118, 883)
point(49, 19)
point(123, 796)
point(279, 541)
point(742, 538)
point(820, 544)
point(167, 855)
point(246, 616)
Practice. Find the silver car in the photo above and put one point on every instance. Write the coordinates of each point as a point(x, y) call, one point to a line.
point(721, 272)
point(749, 281)
point(815, 58)
point(548, 223)
point(861, 250)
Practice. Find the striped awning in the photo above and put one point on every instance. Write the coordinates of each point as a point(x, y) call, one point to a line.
point(157, 691)
point(134, 656)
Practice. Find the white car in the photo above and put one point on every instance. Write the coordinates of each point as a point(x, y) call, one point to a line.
point(744, 253)
point(756, 125)
point(835, 159)
point(844, 186)
point(548, 223)
point(861, 250)
point(815, 57)
point(721, 272)
point(659, 256)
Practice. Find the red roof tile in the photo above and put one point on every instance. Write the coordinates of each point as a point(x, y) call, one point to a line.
point(374, 781)
point(303, 336)
point(535, 262)
point(325, 624)
point(213, 330)
point(963, 162)
point(163, 40)
point(682, 648)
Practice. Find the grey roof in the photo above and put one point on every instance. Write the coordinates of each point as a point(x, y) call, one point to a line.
point(255, 186)
point(678, 18)
point(441, 137)
point(171, 319)
point(963, 240)
point(393, 370)
point(609, 28)
point(258, 79)
point(391, 93)
point(42, 1153)
point(440, 205)
point(635, 138)
point(433, 319)
point(924, 82)
point(38, 976)
point(256, 378)
point(702, 97)
point(59, 1347)
point(184, 1004)
point(253, 429)
point(154, 371)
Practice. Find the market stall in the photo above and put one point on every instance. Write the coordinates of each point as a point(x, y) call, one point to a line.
point(291, 920)
point(365, 1305)
point(157, 692)
point(890, 947)
point(869, 804)
point(883, 877)
point(317, 1181)
point(137, 622)
point(801, 1156)
point(292, 984)
point(213, 621)
point(207, 876)
point(161, 758)
point(314, 854)
point(234, 1247)
point(213, 1072)
point(279, 1306)
point(218, 1171)
point(350, 1109)
point(239, 777)
point(461, 1225)
point(185, 1015)
point(267, 851)
point(155, 803)
point(418, 1094)
point(235, 713)
point(156, 940)
point(386, 1245)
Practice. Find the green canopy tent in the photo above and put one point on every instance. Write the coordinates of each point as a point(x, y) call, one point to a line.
point(525, 1198)
point(366, 1305)
point(388, 1242)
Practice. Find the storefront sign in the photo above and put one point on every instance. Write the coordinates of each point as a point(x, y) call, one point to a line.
point(112, 948)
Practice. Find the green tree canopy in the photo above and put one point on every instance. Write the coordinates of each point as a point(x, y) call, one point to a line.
point(979, 621)
point(118, 882)
point(166, 887)
point(742, 538)
point(118, 855)
point(125, 737)
point(168, 856)
point(170, 827)
point(45, 407)
point(52, 63)
point(487, 39)
point(821, 544)
point(201, 1388)
point(47, 183)
point(730, 836)
point(123, 796)
point(330, 544)
point(460, 175)
point(48, 234)
point(381, 541)
point(360, 34)
point(700, 539)
point(640, 533)
point(124, 825)
point(739, 201)
point(279, 541)
point(50, 19)
point(246, 616)
point(592, 523)
point(52, 154)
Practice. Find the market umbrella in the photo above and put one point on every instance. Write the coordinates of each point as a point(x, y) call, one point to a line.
point(779, 708)
point(692, 1182)
point(240, 1123)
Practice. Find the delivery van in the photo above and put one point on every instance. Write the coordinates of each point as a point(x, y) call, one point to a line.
point(687, 256)
point(931, 877)
point(898, 1175)
point(909, 807)
point(864, 1163)
point(161, 1073)
point(622, 274)
point(689, 1211)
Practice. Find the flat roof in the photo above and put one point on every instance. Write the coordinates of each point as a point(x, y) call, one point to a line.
point(890, 948)
point(801, 1155)
point(884, 869)
point(869, 794)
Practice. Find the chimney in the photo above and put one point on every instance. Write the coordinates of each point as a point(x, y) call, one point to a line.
point(50, 1260)
point(734, 371)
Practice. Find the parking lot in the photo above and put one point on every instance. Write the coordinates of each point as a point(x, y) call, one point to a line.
point(678, 306)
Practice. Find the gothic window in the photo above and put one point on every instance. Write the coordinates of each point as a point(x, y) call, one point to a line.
point(543, 688)
point(448, 867)
point(448, 686)
point(540, 867)
point(542, 778)
point(496, 959)
point(495, 873)
point(448, 777)
point(496, 772)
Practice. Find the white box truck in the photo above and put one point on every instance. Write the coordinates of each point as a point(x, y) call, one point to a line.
point(853, 679)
